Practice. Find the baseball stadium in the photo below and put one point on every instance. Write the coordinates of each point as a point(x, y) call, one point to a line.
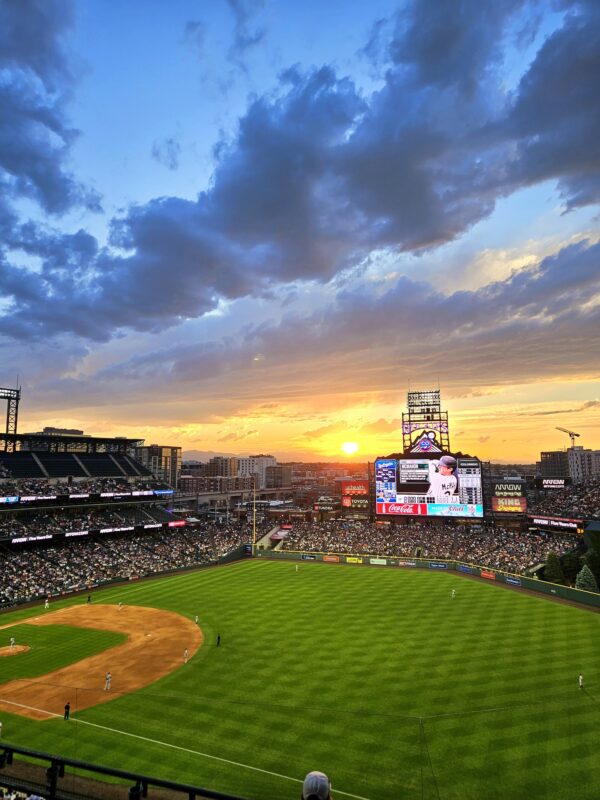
point(147, 652)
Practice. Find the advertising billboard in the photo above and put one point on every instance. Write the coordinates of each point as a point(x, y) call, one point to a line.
point(352, 488)
point(444, 486)
point(361, 503)
point(557, 524)
point(508, 496)
point(552, 483)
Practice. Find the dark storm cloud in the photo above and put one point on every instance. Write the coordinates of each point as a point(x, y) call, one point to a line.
point(35, 80)
point(317, 176)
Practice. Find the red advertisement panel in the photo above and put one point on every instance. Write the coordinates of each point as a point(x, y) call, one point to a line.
point(485, 573)
point(416, 509)
point(355, 487)
point(333, 559)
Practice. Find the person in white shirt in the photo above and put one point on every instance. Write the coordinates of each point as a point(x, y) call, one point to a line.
point(443, 483)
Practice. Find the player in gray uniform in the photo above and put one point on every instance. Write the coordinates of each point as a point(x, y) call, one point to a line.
point(443, 483)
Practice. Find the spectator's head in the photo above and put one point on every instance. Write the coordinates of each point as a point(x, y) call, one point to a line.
point(316, 787)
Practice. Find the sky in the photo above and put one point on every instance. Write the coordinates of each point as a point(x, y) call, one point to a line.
point(249, 226)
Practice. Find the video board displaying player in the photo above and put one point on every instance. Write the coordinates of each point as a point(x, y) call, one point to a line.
point(445, 486)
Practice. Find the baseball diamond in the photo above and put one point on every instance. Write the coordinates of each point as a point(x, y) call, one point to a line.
point(377, 676)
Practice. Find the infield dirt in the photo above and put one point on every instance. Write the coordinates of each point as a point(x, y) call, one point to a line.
point(155, 644)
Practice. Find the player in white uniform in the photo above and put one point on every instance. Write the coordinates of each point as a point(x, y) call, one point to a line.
point(443, 483)
point(107, 682)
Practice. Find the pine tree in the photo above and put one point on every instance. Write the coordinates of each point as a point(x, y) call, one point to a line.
point(553, 572)
point(585, 580)
point(592, 559)
point(571, 564)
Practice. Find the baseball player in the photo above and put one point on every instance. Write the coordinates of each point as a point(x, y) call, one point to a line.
point(46, 603)
point(120, 606)
point(67, 710)
point(453, 593)
point(442, 480)
point(580, 681)
point(13, 641)
point(107, 682)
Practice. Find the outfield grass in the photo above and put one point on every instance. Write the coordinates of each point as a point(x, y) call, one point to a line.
point(375, 676)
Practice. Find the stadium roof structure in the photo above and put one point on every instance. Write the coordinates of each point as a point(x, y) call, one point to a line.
point(61, 443)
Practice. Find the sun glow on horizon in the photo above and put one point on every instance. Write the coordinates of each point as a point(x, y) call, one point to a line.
point(350, 448)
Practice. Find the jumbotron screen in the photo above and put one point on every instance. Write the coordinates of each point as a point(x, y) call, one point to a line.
point(447, 486)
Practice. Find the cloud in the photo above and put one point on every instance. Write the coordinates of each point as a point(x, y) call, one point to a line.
point(167, 152)
point(237, 436)
point(318, 176)
point(194, 33)
point(246, 36)
point(585, 407)
point(35, 137)
point(535, 324)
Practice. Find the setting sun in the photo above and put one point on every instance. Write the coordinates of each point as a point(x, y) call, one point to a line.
point(350, 448)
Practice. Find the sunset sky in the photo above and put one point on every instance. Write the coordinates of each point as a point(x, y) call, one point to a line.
point(247, 226)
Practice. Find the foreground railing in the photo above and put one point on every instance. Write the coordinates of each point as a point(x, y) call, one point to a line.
point(55, 779)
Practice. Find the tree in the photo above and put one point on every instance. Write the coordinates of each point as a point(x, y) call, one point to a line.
point(571, 564)
point(585, 580)
point(592, 559)
point(553, 572)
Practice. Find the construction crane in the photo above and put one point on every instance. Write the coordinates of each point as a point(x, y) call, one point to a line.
point(572, 434)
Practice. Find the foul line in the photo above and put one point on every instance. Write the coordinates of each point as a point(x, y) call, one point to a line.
point(176, 747)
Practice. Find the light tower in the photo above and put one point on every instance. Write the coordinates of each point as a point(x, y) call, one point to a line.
point(12, 397)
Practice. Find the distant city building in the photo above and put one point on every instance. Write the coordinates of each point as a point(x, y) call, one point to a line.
point(583, 464)
point(162, 461)
point(276, 477)
point(189, 484)
point(222, 466)
point(577, 463)
point(256, 466)
point(554, 464)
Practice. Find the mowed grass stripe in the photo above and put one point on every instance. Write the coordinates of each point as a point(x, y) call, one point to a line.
point(333, 667)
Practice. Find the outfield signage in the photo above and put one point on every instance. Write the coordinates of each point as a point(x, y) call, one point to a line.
point(438, 565)
point(558, 523)
point(355, 488)
point(464, 568)
point(381, 561)
point(353, 560)
point(308, 557)
point(355, 502)
point(486, 573)
point(332, 559)
point(513, 581)
point(549, 484)
point(406, 563)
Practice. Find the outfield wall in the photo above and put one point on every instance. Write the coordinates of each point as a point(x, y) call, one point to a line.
point(497, 576)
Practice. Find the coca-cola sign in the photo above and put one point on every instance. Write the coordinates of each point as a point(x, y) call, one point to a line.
point(416, 509)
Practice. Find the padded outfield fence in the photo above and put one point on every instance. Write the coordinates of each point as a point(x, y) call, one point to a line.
point(493, 575)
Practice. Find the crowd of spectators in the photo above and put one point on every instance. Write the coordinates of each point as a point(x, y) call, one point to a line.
point(493, 547)
point(580, 502)
point(32, 572)
point(57, 521)
point(42, 486)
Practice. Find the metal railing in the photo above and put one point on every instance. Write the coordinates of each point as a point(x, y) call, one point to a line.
point(55, 787)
